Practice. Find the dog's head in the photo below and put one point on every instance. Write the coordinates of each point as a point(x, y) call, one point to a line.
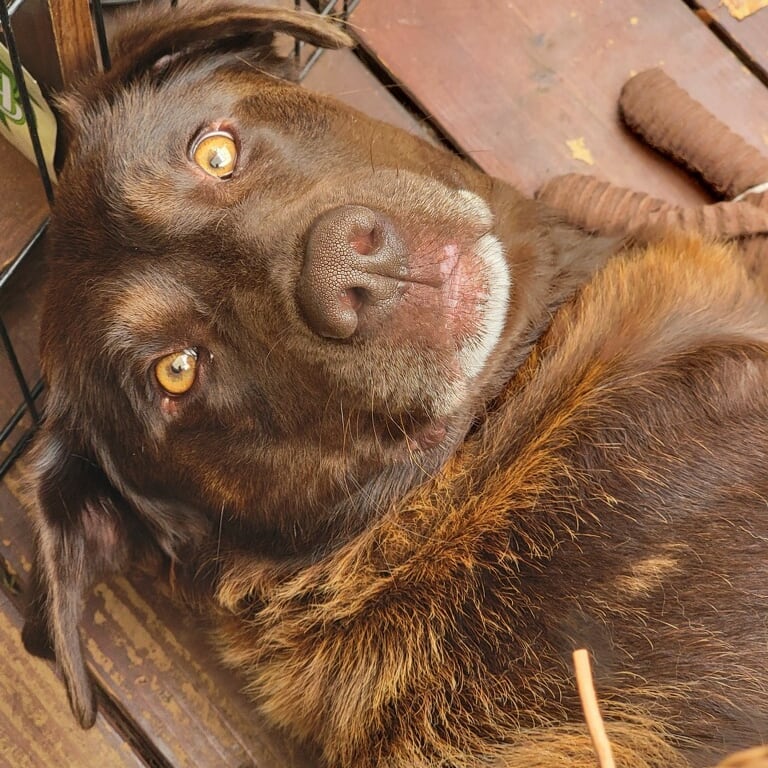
point(258, 298)
point(267, 313)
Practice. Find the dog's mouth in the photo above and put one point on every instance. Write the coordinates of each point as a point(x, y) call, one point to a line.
point(464, 309)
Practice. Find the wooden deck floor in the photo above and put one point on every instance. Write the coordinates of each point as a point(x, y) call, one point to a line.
point(511, 85)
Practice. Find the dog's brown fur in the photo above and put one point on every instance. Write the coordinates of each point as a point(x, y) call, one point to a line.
point(400, 556)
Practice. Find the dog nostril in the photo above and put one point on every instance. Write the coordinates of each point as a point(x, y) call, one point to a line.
point(363, 242)
point(353, 266)
point(352, 297)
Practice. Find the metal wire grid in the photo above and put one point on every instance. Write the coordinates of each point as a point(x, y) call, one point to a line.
point(29, 392)
point(347, 6)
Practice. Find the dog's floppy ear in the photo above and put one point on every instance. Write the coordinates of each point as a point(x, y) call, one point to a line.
point(213, 28)
point(83, 532)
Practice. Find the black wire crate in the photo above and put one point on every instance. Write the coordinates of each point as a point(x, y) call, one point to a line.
point(32, 43)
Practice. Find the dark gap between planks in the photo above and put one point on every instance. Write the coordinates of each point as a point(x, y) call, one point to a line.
point(725, 37)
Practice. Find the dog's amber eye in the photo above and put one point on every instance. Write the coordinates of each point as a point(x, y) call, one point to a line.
point(216, 153)
point(176, 372)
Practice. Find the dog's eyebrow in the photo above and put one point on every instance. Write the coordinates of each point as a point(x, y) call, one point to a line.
point(143, 305)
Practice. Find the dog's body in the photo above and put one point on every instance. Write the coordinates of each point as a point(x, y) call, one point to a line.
point(411, 439)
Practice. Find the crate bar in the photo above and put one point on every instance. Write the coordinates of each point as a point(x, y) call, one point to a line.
point(101, 34)
point(348, 7)
point(16, 451)
point(26, 102)
point(8, 272)
point(19, 413)
point(28, 399)
point(297, 43)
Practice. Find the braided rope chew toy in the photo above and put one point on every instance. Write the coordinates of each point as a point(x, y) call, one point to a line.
point(667, 118)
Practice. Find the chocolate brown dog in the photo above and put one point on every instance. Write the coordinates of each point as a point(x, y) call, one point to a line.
point(410, 439)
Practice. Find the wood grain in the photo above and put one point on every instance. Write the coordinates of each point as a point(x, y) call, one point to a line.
point(152, 658)
point(36, 728)
point(55, 39)
point(23, 207)
point(513, 83)
point(340, 74)
point(74, 37)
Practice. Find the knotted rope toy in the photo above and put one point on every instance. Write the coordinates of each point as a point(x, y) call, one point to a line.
point(667, 118)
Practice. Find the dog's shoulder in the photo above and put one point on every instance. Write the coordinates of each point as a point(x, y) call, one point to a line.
point(589, 493)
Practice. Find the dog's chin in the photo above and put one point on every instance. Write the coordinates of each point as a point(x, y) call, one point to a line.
point(476, 297)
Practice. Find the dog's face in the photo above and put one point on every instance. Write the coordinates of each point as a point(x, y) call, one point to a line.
point(267, 314)
point(260, 299)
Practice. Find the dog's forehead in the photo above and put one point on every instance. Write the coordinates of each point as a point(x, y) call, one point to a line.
point(140, 121)
point(129, 166)
point(142, 304)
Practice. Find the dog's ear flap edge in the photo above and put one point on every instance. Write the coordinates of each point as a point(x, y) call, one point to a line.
point(214, 27)
point(68, 108)
point(152, 36)
point(81, 534)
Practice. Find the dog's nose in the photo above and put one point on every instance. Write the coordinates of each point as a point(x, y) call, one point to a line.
point(353, 269)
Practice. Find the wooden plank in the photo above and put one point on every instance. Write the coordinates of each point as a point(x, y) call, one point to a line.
point(513, 83)
point(341, 74)
point(56, 40)
point(74, 37)
point(36, 728)
point(23, 206)
point(152, 659)
point(750, 34)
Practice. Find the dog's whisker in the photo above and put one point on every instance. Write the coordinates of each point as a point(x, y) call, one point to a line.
point(219, 533)
point(276, 343)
